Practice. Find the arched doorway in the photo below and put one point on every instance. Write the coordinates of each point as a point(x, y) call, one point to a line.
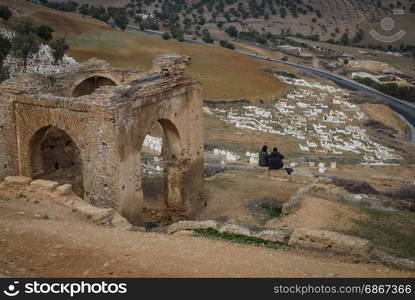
point(159, 155)
point(55, 156)
point(89, 85)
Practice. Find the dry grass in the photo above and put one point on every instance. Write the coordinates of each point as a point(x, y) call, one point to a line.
point(385, 115)
point(62, 22)
point(225, 74)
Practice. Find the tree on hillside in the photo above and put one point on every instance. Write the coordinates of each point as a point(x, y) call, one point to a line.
point(121, 21)
point(166, 36)
point(232, 31)
point(283, 12)
point(5, 13)
point(59, 48)
point(24, 46)
point(226, 44)
point(345, 39)
point(44, 32)
point(24, 28)
point(5, 47)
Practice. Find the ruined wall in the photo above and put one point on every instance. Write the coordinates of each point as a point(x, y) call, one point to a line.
point(9, 91)
point(107, 130)
point(179, 112)
point(88, 126)
point(77, 81)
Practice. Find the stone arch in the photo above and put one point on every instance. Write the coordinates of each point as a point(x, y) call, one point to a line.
point(88, 85)
point(159, 190)
point(172, 145)
point(55, 156)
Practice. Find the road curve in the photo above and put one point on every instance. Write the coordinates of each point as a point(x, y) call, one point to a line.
point(404, 109)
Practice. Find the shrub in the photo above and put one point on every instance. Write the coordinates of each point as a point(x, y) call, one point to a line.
point(273, 209)
point(404, 192)
point(355, 186)
point(226, 44)
point(166, 36)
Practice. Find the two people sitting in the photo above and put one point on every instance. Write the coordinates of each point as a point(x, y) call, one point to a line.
point(272, 161)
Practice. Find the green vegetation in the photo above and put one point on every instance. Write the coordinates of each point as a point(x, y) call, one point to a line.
point(390, 231)
point(24, 46)
point(166, 36)
point(5, 48)
point(5, 13)
point(238, 238)
point(273, 209)
point(26, 42)
point(226, 44)
point(44, 32)
point(406, 93)
point(180, 17)
point(59, 48)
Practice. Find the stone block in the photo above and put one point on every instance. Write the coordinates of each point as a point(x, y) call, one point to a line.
point(120, 222)
point(17, 181)
point(235, 229)
point(274, 235)
point(44, 185)
point(64, 190)
point(190, 225)
point(328, 240)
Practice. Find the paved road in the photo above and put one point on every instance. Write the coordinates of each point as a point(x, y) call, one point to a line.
point(404, 109)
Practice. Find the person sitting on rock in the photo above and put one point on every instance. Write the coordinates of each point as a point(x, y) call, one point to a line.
point(264, 157)
point(276, 163)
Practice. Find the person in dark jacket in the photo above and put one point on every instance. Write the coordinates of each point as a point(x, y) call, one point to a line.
point(275, 160)
point(264, 157)
point(276, 163)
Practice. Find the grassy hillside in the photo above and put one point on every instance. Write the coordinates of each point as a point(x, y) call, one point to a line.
point(225, 74)
point(62, 22)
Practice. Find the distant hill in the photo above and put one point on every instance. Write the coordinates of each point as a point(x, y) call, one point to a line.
point(348, 21)
point(225, 74)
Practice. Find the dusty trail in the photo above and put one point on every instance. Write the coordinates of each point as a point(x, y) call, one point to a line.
point(66, 246)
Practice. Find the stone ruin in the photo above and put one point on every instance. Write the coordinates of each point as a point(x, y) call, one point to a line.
point(86, 127)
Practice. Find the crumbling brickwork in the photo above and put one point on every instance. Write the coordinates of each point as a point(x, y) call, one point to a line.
point(106, 126)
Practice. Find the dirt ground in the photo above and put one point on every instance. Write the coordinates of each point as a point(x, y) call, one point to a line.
point(237, 195)
point(65, 245)
point(318, 213)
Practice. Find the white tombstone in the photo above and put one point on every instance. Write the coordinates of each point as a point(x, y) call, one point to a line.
point(322, 170)
point(333, 165)
point(321, 165)
point(311, 164)
point(156, 159)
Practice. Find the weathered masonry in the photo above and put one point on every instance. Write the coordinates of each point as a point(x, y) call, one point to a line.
point(87, 126)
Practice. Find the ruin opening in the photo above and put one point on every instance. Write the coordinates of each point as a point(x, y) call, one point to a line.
point(55, 156)
point(89, 85)
point(159, 154)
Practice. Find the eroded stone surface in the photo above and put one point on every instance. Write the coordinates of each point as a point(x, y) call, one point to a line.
point(328, 240)
point(191, 225)
point(86, 128)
